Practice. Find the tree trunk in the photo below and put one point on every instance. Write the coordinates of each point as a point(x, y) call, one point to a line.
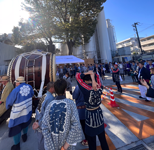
point(51, 47)
point(70, 47)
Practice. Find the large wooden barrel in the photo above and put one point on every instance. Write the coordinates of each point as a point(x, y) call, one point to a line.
point(38, 68)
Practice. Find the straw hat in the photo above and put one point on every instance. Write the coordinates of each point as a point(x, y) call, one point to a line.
point(20, 79)
point(5, 78)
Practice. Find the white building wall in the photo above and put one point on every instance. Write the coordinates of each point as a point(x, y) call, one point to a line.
point(103, 38)
point(7, 52)
point(90, 48)
point(64, 49)
point(78, 51)
point(111, 35)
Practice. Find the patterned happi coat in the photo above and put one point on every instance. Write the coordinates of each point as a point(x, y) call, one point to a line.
point(21, 101)
point(40, 110)
point(94, 122)
point(61, 124)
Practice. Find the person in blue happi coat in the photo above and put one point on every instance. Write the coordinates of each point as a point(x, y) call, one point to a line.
point(60, 124)
point(79, 99)
point(90, 85)
point(43, 103)
point(20, 99)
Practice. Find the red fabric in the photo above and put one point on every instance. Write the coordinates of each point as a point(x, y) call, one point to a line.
point(81, 107)
point(115, 71)
point(98, 80)
point(83, 84)
point(146, 80)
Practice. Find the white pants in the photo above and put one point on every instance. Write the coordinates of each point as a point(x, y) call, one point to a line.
point(143, 91)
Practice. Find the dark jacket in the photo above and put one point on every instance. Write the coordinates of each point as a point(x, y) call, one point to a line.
point(115, 75)
point(150, 93)
point(92, 99)
point(99, 71)
point(79, 99)
point(145, 73)
point(107, 66)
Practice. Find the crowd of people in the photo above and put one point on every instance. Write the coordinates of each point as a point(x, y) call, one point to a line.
point(59, 122)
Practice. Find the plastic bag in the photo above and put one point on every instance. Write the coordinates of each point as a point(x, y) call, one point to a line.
point(120, 78)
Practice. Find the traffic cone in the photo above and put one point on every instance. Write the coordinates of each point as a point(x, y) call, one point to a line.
point(112, 99)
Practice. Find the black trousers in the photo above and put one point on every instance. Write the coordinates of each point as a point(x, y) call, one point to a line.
point(102, 139)
point(122, 76)
point(119, 87)
point(83, 128)
point(136, 76)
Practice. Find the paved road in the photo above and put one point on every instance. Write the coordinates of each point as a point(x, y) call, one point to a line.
point(130, 125)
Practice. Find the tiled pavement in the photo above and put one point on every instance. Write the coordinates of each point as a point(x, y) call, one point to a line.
point(129, 127)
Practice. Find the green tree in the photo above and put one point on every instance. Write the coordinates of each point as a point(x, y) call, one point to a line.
point(67, 21)
point(16, 37)
point(30, 46)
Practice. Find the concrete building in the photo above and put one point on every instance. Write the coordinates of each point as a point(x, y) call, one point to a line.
point(125, 49)
point(7, 52)
point(131, 42)
point(123, 54)
point(111, 34)
point(147, 43)
point(98, 47)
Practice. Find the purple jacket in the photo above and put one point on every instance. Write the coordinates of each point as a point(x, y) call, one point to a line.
point(149, 67)
point(128, 67)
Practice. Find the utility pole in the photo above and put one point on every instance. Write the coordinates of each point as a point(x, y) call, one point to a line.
point(139, 43)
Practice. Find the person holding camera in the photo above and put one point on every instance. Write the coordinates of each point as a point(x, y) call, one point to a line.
point(143, 73)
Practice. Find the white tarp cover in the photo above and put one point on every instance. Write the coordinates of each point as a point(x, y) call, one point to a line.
point(68, 59)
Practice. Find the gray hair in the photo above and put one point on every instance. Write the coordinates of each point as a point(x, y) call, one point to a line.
point(50, 85)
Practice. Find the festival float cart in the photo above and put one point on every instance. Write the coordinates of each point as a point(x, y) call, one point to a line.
point(38, 68)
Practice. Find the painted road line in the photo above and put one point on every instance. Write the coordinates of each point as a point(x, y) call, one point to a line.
point(128, 89)
point(136, 116)
point(141, 129)
point(142, 112)
point(116, 130)
point(127, 86)
point(134, 100)
point(138, 105)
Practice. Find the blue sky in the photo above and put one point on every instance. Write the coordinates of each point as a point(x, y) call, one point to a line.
point(124, 13)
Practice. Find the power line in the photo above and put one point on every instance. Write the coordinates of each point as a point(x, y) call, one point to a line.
point(146, 28)
point(139, 31)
